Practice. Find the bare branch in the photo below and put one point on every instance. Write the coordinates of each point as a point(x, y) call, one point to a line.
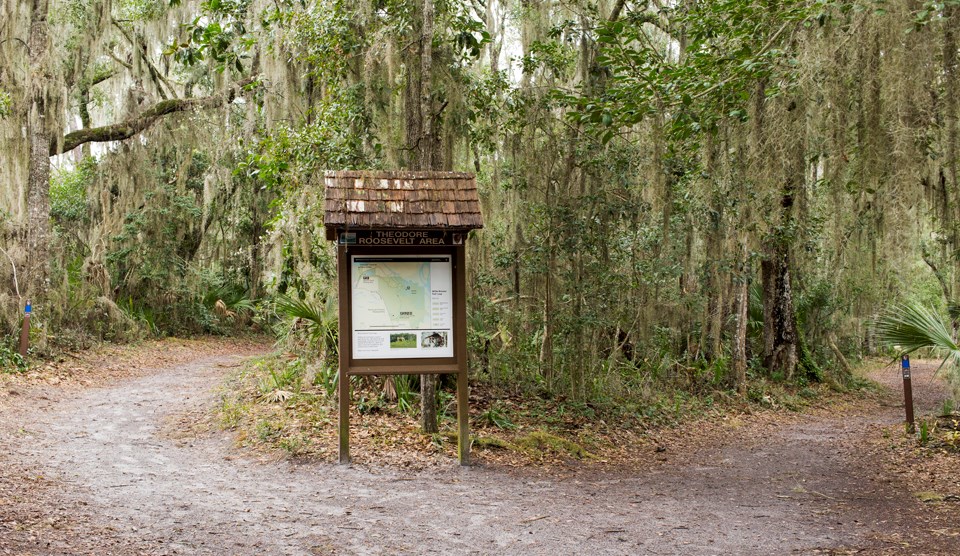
point(16, 283)
point(117, 59)
point(141, 49)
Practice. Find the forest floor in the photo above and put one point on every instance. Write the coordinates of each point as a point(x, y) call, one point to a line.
point(94, 460)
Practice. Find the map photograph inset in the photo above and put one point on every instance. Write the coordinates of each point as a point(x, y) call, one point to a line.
point(403, 340)
point(437, 339)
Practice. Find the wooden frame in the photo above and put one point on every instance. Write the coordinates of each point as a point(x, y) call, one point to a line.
point(349, 366)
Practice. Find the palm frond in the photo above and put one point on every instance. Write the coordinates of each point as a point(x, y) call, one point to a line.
point(322, 320)
point(913, 327)
point(229, 299)
point(297, 308)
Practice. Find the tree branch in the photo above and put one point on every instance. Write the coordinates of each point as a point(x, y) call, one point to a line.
point(16, 283)
point(155, 74)
point(133, 126)
point(101, 77)
point(117, 59)
point(617, 8)
point(927, 258)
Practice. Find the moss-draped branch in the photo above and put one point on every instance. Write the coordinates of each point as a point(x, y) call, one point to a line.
point(129, 128)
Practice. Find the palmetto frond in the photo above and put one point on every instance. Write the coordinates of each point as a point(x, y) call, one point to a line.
point(301, 309)
point(913, 327)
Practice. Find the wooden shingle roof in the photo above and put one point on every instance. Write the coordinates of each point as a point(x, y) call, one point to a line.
point(401, 200)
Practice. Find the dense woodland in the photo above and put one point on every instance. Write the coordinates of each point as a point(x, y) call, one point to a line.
point(677, 193)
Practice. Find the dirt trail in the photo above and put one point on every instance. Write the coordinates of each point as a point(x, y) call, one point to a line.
point(114, 484)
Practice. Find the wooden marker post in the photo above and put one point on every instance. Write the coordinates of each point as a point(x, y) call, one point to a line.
point(25, 330)
point(907, 392)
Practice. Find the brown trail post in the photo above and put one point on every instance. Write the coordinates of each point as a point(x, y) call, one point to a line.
point(907, 392)
point(25, 330)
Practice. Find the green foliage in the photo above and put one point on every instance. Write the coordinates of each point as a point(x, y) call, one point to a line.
point(445, 404)
point(496, 416)
point(406, 393)
point(327, 377)
point(729, 46)
point(557, 58)
point(68, 191)
point(5, 102)
point(912, 327)
point(321, 321)
point(219, 35)
point(10, 360)
point(141, 314)
point(228, 300)
point(289, 156)
point(287, 377)
point(323, 36)
point(538, 443)
point(139, 10)
point(267, 429)
point(152, 257)
point(930, 11)
point(924, 431)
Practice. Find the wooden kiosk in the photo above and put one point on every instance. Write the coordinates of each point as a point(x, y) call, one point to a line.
point(402, 278)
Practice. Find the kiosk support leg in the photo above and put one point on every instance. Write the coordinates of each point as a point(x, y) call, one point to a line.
point(463, 418)
point(343, 387)
point(344, 395)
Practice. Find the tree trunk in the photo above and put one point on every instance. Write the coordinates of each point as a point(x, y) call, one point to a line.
point(951, 86)
point(420, 130)
point(38, 209)
point(426, 142)
point(780, 333)
point(742, 310)
point(38, 184)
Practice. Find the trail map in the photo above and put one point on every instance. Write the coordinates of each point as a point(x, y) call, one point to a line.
point(402, 306)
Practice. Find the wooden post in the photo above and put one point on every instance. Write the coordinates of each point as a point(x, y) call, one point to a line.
point(463, 419)
point(343, 385)
point(25, 331)
point(907, 393)
point(460, 346)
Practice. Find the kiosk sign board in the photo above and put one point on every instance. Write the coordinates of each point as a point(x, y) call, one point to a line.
point(401, 278)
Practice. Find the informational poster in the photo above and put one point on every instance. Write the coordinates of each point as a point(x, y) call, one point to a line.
point(402, 306)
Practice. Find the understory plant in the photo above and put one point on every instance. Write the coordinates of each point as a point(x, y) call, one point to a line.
point(911, 327)
point(10, 360)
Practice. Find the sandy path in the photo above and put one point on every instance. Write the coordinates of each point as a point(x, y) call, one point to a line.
point(798, 489)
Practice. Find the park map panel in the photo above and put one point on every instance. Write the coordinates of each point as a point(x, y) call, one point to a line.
point(402, 306)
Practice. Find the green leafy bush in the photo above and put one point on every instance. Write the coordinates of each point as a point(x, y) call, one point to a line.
point(11, 361)
point(68, 191)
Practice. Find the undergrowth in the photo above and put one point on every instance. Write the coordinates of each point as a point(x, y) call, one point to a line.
point(288, 405)
point(10, 360)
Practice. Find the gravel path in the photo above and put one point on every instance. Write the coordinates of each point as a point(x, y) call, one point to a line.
point(799, 488)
